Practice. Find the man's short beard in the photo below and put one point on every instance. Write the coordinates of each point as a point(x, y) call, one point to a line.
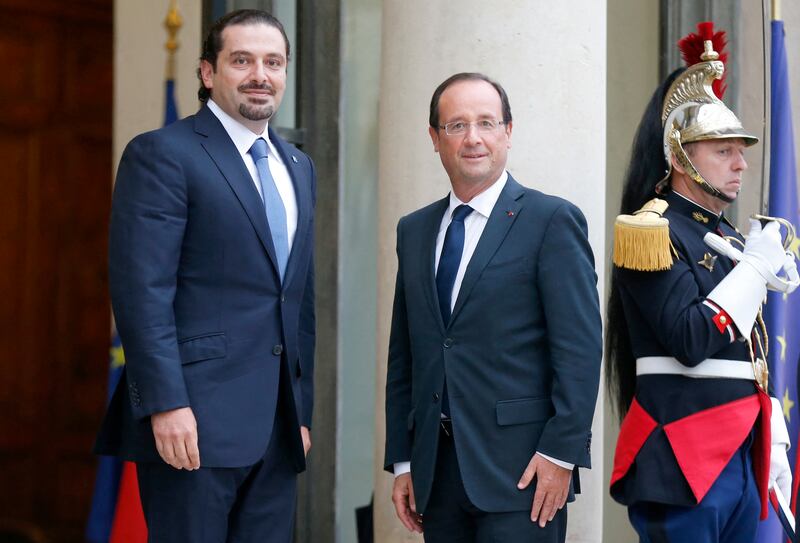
point(256, 113)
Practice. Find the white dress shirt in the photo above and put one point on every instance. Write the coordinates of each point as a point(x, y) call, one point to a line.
point(482, 206)
point(474, 224)
point(243, 139)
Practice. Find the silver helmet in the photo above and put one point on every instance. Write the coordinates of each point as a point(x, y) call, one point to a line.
point(692, 112)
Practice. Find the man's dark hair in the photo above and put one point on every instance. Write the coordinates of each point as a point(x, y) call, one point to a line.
point(646, 168)
point(213, 42)
point(433, 119)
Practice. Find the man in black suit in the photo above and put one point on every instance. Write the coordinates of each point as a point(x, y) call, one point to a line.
point(495, 346)
point(211, 275)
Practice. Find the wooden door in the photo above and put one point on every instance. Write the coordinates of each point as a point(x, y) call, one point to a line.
point(55, 187)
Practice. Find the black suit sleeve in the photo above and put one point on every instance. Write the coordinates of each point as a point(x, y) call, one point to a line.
point(307, 330)
point(148, 218)
point(568, 288)
point(398, 375)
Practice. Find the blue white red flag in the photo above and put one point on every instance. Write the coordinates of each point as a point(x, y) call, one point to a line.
point(782, 312)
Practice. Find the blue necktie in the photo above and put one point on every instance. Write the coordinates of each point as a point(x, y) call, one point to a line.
point(449, 261)
point(276, 212)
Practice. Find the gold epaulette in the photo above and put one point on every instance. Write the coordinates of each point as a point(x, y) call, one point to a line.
point(641, 240)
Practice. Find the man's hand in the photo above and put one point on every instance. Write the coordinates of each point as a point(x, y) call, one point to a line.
point(305, 433)
point(552, 488)
point(404, 503)
point(176, 438)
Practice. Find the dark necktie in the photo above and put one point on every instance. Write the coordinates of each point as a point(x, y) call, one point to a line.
point(276, 212)
point(449, 261)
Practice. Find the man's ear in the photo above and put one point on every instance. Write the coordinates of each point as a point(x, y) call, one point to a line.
point(508, 128)
point(676, 165)
point(207, 74)
point(434, 133)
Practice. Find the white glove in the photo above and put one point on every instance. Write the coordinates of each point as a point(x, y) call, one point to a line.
point(757, 260)
point(780, 473)
point(790, 268)
point(763, 248)
point(743, 290)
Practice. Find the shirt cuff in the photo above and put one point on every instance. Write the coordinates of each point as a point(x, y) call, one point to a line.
point(401, 468)
point(559, 463)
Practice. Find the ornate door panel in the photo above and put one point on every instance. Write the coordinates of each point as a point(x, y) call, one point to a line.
point(55, 188)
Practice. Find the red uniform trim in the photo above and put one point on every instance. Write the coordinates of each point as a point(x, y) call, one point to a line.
point(722, 320)
point(704, 442)
point(635, 429)
point(795, 483)
point(762, 449)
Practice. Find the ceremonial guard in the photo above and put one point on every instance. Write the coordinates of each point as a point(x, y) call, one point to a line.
point(701, 440)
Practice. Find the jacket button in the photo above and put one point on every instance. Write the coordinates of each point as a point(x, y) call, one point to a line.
point(283, 298)
point(277, 350)
point(435, 397)
point(448, 343)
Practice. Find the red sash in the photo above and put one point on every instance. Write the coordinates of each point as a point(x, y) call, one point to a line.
point(703, 443)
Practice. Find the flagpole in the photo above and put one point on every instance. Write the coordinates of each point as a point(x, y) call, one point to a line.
point(766, 40)
point(173, 23)
point(775, 15)
point(782, 313)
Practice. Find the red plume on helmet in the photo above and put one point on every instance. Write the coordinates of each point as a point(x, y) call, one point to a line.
point(691, 47)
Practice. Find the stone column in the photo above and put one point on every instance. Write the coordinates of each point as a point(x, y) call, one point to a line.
point(551, 59)
point(632, 76)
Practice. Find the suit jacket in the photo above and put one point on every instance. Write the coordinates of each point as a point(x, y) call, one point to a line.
point(521, 353)
point(204, 319)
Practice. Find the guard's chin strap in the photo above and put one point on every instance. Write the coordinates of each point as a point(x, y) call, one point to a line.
point(706, 186)
point(691, 171)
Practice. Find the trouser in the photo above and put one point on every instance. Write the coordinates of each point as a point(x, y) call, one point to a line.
point(232, 505)
point(729, 512)
point(450, 516)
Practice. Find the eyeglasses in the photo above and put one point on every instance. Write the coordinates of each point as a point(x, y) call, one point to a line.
point(458, 128)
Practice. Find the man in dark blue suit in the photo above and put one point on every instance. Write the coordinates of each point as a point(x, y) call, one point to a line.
point(495, 346)
point(211, 274)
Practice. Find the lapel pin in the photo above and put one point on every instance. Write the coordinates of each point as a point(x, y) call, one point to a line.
point(510, 213)
point(294, 159)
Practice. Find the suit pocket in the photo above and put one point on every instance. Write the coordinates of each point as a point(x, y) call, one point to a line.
point(205, 347)
point(523, 411)
point(518, 265)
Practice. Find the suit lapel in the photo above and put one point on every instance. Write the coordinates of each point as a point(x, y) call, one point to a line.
point(430, 230)
point(227, 158)
point(302, 190)
point(503, 215)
